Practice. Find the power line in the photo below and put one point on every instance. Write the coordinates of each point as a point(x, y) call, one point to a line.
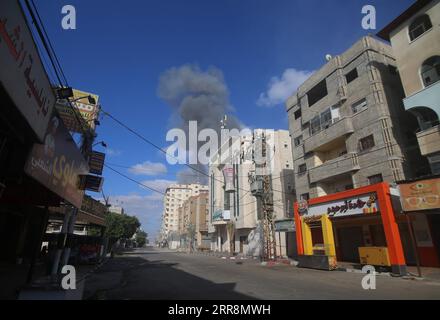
point(53, 58)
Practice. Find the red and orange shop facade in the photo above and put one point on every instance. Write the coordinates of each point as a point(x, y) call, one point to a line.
point(340, 226)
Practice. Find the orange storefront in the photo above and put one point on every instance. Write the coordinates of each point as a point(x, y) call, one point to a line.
point(327, 227)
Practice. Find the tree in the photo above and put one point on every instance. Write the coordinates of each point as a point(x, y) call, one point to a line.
point(141, 238)
point(121, 226)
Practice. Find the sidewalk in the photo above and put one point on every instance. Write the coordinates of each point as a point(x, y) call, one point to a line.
point(45, 288)
point(429, 274)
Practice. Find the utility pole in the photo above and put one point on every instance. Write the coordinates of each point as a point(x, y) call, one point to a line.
point(261, 188)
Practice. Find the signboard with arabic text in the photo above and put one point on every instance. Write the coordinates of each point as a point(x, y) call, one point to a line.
point(21, 72)
point(363, 204)
point(58, 164)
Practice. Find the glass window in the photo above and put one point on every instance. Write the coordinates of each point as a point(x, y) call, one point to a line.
point(302, 169)
point(298, 141)
point(326, 118)
point(305, 196)
point(431, 71)
point(377, 178)
point(353, 74)
point(315, 125)
point(419, 26)
point(297, 114)
point(367, 143)
point(317, 92)
point(358, 106)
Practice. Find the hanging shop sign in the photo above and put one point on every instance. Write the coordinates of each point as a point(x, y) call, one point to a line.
point(58, 164)
point(220, 215)
point(420, 195)
point(364, 204)
point(96, 162)
point(93, 183)
point(287, 225)
point(21, 71)
point(86, 112)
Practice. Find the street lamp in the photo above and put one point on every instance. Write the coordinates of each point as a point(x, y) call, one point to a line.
point(89, 97)
point(102, 143)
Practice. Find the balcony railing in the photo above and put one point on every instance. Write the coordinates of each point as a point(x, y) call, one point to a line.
point(335, 167)
point(328, 134)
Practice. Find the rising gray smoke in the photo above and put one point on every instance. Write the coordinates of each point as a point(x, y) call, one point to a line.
point(197, 95)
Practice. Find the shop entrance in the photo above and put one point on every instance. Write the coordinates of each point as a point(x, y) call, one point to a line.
point(317, 238)
point(243, 240)
point(350, 239)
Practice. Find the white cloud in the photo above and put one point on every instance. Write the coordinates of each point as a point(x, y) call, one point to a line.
point(158, 184)
point(148, 168)
point(279, 89)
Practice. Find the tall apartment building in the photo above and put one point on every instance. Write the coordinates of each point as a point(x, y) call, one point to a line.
point(235, 214)
point(415, 39)
point(175, 195)
point(348, 125)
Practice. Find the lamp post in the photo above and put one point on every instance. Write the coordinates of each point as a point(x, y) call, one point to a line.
point(102, 143)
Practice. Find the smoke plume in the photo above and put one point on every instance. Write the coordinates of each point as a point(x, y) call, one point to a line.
point(197, 95)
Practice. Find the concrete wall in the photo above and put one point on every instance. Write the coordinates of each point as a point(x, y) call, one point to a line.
point(410, 55)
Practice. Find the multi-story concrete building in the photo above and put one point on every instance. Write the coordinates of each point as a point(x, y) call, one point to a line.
point(347, 123)
point(415, 39)
point(235, 214)
point(350, 133)
point(193, 217)
point(175, 195)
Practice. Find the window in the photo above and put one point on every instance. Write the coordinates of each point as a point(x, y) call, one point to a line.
point(434, 162)
point(431, 71)
point(377, 178)
point(419, 26)
point(353, 74)
point(317, 93)
point(366, 143)
point(349, 187)
point(305, 196)
point(326, 119)
point(298, 141)
point(358, 106)
point(297, 114)
point(315, 125)
point(302, 169)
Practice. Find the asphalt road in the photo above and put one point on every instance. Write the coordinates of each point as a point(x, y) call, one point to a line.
point(162, 274)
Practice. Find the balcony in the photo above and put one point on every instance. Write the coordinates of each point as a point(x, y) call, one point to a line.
point(429, 140)
point(329, 134)
point(335, 167)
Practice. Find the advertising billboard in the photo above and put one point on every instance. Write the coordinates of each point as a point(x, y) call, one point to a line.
point(87, 112)
point(420, 195)
point(21, 72)
point(58, 164)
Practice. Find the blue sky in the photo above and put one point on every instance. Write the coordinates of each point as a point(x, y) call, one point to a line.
point(263, 48)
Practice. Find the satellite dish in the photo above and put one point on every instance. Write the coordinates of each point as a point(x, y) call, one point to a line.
point(328, 57)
